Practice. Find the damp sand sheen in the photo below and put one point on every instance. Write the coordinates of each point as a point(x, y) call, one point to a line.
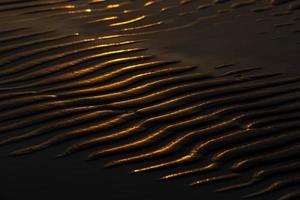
point(97, 74)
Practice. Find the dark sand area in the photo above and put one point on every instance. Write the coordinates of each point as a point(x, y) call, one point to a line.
point(140, 99)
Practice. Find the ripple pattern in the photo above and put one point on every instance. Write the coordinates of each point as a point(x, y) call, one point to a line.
point(72, 84)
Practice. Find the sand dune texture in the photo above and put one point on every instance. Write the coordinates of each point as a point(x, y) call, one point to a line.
point(132, 78)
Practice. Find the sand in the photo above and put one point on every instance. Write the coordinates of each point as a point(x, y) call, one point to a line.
point(201, 93)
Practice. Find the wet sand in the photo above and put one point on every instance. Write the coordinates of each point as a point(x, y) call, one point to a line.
point(191, 93)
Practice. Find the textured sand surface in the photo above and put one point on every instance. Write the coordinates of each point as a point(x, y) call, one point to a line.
point(181, 93)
